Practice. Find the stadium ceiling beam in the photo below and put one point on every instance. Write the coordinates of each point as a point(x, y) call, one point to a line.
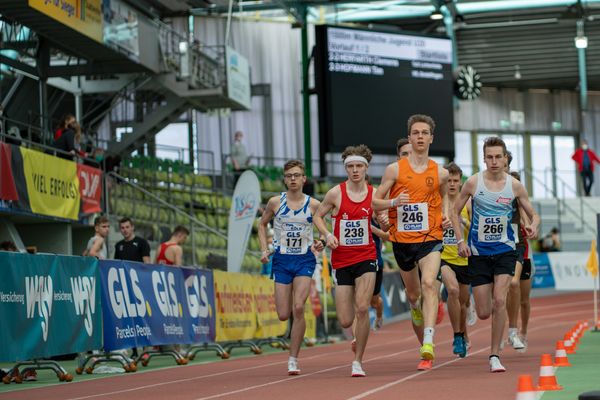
point(272, 5)
point(93, 69)
point(18, 65)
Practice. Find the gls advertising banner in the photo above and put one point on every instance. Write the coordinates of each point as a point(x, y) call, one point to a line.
point(49, 305)
point(146, 305)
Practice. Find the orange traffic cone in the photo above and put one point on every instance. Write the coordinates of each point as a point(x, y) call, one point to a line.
point(560, 357)
point(525, 389)
point(547, 379)
point(568, 344)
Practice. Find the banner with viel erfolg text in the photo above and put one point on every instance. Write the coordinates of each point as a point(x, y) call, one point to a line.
point(244, 205)
point(49, 305)
point(148, 305)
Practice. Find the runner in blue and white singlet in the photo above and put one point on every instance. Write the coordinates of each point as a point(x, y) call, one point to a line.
point(293, 262)
point(491, 243)
point(491, 231)
point(293, 229)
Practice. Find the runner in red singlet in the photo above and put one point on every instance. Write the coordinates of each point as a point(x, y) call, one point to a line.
point(170, 252)
point(353, 255)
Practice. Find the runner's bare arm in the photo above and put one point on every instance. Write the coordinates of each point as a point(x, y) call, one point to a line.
point(314, 206)
point(379, 202)
point(383, 235)
point(330, 202)
point(522, 196)
point(96, 247)
point(381, 216)
point(465, 194)
point(272, 205)
point(178, 255)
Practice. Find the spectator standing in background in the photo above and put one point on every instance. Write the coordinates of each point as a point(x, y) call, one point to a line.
point(69, 141)
point(239, 155)
point(170, 252)
point(551, 242)
point(65, 122)
point(96, 246)
point(132, 247)
point(585, 158)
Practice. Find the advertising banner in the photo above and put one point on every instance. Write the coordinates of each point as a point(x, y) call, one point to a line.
point(90, 186)
point(541, 272)
point(236, 309)
point(148, 305)
point(238, 78)
point(246, 199)
point(52, 184)
point(569, 270)
point(83, 16)
point(49, 305)
point(200, 300)
point(268, 323)
point(40, 183)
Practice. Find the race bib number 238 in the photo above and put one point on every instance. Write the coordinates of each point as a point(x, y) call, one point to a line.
point(354, 232)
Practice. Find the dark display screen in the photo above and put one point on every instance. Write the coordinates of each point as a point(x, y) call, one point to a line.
point(370, 82)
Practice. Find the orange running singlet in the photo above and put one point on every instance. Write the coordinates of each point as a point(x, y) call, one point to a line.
point(421, 220)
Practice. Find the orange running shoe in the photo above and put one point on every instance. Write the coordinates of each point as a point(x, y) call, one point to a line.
point(425, 365)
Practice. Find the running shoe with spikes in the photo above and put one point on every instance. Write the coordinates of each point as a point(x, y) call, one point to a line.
point(425, 365)
point(495, 365)
point(293, 367)
point(524, 341)
point(357, 371)
point(378, 324)
point(427, 351)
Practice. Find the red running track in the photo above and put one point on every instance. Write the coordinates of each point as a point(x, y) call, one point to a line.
point(390, 363)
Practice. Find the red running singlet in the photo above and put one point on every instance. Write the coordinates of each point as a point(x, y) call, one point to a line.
point(352, 228)
point(162, 258)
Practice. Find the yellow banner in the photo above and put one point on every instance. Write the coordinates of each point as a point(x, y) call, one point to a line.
point(52, 184)
point(269, 324)
point(85, 16)
point(236, 309)
point(311, 321)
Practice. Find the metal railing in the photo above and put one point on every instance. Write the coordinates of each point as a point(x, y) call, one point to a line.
point(192, 220)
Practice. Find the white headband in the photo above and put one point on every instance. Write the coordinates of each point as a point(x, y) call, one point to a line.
point(361, 159)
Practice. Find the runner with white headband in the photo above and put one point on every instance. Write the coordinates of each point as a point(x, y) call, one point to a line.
point(353, 254)
point(417, 196)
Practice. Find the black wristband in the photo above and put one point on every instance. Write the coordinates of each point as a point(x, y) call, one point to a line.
point(324, 242)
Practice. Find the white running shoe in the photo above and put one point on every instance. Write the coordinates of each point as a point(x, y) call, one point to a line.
point(357, 371)
point(524, 349)
point(495, 365)
point(516, 342)
point(293, 367)
point(471, 313)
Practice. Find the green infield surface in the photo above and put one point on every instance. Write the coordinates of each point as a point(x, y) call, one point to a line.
point(584, 374)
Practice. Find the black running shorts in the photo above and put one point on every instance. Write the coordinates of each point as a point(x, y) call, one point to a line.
point(482, 269)
point(347, 275)
point(408, 254)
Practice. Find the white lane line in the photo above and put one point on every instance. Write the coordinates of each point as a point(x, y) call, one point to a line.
point(394, 383)
point(97, 395)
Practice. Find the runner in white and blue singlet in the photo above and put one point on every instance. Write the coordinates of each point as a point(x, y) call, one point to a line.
point(293, 262)
point(491, 249)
